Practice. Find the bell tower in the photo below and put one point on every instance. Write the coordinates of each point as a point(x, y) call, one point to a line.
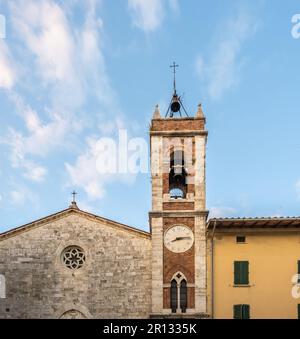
point(178, 215)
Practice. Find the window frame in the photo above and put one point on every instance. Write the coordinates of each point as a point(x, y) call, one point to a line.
point(239, 237)
point(241, 312)
point(241, 273)
point(181, 283)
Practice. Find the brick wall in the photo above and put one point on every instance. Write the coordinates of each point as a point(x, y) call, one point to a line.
point(183, 124)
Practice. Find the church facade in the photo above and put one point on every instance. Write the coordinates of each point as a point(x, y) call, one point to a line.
point(74, 264)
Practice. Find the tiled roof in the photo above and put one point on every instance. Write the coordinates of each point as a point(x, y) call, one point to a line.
point(259, 223)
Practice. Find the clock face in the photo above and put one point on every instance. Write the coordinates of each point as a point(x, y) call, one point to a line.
point(179, 239)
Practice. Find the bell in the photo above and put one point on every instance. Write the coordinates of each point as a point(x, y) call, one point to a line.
point(175, 105)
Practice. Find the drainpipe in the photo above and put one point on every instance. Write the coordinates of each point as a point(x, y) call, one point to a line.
point(212, 271)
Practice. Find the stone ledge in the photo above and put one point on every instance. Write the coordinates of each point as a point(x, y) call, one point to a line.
point(179, 133)
point(172, 214)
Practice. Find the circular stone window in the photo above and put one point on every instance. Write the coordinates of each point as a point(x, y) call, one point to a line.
point(73, 257)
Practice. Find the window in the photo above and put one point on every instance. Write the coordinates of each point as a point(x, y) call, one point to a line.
point(240, 239)
point(73, 314)
point(73, 257)
point(241, 273)
point(298, 271)
point(183, 296)
point(174, 295)
point(177, 161)
point(241, 312)
point(176, 193)
point(298, 311)
point(177, 176)
point(179, 293)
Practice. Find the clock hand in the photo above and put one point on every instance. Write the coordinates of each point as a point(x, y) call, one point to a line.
point(181, 238)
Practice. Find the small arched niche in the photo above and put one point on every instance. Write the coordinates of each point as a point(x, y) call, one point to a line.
point(73, 314)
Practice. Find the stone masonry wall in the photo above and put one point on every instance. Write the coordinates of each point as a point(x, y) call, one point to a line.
point(115, 281)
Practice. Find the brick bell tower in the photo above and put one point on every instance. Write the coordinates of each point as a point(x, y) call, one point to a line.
point(178, 216)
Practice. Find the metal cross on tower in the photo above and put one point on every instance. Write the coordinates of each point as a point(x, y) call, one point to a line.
point(176, 103)
point(174, 66)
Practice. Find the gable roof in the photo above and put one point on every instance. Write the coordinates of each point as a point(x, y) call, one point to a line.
point(73, 209)
point(280, 223)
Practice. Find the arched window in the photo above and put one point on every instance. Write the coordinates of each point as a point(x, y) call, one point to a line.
point(177, 193)
point(177, 160)
point(73, 257)
point(183, 296)
point(73, 314)
point(178, 293)
point(177, 177)
point(174, 296)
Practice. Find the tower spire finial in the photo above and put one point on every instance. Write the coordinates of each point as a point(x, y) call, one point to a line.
point(74, 196)
point(176, 103)
point(174, 66)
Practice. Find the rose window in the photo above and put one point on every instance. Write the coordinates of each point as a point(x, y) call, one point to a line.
point(73, 257)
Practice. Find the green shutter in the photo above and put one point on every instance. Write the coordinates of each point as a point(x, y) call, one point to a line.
point(245, 279)
point(241, 311)
point(236, 272)
point(237, 311)
point(241, 272)
point(246, 312)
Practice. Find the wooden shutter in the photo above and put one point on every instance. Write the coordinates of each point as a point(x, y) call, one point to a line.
point(241, 311)
point(236, 273)
point(237, 311)
point(246, 312)
point(245, 273)
point(241, 272)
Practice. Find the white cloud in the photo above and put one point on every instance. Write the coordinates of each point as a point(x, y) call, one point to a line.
point(72, 67)
point(87, 175)
point(39, 139)
point(34, 172)
point(70, 61)
point(221, 72)
point(44, 28)
point(84, 172)
point(22, 195)
point(221, 212)
point(148, 15)
point(7, 71)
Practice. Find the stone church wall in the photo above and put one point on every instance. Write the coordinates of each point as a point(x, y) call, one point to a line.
point(114, 282)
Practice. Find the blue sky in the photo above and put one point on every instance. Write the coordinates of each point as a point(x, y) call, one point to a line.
point(72, 72)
